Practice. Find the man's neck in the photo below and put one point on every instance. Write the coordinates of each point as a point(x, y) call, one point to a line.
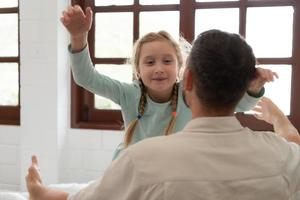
point(202, 111)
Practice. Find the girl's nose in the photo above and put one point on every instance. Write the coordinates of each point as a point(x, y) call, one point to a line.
point(159, 68)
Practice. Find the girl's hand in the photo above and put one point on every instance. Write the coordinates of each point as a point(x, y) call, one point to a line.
point(78, 24)
point(262, 76)
point(76, 21)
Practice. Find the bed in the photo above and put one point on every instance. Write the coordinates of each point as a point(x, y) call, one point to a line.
point(69, 188)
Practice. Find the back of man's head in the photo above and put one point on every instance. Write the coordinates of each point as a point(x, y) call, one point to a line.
point(223, 65)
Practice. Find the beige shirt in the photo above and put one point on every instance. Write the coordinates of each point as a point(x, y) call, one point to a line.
point(213, 158)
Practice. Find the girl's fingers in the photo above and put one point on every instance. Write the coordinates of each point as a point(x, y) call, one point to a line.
point(271, 75)
point(78, 11)
point(276, 75)
point(89, 14)
point(70, 10)
point(267, 75)
point(74, 13)
point(77, 8)
point(63, 21)
point(67, 19)
point(66, 15)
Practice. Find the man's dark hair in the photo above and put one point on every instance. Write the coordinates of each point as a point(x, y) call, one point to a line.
point(223, 65)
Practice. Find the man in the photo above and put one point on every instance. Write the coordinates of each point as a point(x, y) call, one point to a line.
point(213, 157)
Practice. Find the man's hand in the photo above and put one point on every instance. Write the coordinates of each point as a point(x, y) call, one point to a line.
point(33, 180)
point(266, 110)
point(269, 112)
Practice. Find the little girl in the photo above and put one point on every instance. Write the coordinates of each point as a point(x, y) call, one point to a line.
point(152, 105)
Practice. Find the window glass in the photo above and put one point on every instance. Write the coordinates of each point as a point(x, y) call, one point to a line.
point(223, 19)
point(269, 30)
point(9, 35)
point(113, 36)
point(8, 3)
point(158, 2)
point(280, 86)
point(9, 88)
point(113, 2)
point(156, 21)
point(270, 1)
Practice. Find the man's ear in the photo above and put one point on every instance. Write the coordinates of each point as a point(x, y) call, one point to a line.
point(188, 80)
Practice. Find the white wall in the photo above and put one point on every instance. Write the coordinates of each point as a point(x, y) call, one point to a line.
point(65, 154)
point(9, 157)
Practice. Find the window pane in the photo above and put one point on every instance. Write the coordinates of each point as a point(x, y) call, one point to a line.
point(158, 2)
point(8, 3)
point(9, 35)
point(280, 86)
point(113, 2)
point(157, 21)
point(223, 19)
point(269, 1)
point(269, 31)
point(113, 37)
point(213, 0)
point(122, 73)
point(9, 84)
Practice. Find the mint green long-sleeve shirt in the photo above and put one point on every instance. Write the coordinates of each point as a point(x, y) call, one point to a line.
point(156, 116)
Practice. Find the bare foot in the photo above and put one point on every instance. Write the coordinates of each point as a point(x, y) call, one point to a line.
point(34, 183)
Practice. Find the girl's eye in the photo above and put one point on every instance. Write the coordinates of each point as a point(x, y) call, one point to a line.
point(149, 62)
point(168, 61)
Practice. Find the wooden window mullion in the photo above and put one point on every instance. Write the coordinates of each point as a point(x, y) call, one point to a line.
point(187, 19)
point(243, 16)
point(295, 96)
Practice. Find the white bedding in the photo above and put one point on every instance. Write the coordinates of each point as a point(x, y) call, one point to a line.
point(69, 188)
point(13, 195)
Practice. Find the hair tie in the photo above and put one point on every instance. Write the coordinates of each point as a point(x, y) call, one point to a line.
point(174, 114)
point(139, 116)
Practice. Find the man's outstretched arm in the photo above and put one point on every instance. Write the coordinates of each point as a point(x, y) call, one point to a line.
point(269, 112)
point(37, 190)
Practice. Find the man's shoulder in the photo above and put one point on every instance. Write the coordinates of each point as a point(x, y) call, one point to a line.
point(275, 142)
point(268, 136)
point(147, 143)
point(153, 146)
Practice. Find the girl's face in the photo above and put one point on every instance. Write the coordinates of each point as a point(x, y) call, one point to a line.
point(158, 69)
